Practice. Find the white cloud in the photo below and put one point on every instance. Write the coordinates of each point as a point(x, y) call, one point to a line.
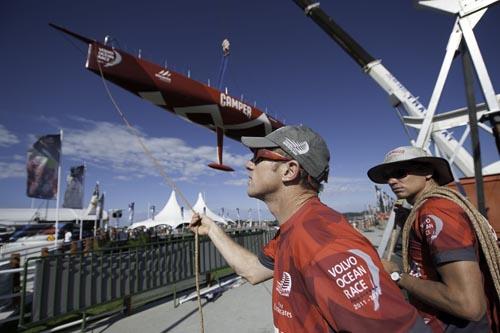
point(348, 184)
point(6, 137)
point(237, 182)
point(12, 170)
point(112, 146)
point(122, 177)
point(349, 194)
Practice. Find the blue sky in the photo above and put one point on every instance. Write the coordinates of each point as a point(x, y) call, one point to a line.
point(279, 58)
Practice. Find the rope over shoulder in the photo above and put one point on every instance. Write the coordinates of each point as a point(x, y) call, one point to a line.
point(483, 230)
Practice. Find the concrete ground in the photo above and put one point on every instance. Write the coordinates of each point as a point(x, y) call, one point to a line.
point(242, 309)
point(374, 236)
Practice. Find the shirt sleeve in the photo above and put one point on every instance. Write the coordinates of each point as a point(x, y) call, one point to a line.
point(447, 230)
point(354, 294)
point(268, 252)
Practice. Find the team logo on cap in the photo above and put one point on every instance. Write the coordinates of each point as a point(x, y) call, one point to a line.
point(298, 148)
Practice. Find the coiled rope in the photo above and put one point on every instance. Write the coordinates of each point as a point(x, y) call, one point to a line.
point(172, 185)
point(483, 230)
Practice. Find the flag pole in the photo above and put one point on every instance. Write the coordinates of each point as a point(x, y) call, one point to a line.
point(96, 210)
point(58, 190)
point(83, 195)
point(258, 212)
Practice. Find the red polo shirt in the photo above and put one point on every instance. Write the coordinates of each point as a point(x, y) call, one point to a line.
point(442, 233)
point(328, 277)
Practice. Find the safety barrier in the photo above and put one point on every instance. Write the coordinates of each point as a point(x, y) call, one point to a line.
point(72, 283)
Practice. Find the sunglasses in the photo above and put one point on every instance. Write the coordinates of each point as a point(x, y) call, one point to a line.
point(265, 154)
point(397, 173)
point(405, 170)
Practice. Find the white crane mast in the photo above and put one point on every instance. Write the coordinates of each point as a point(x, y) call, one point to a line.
point(468, 13)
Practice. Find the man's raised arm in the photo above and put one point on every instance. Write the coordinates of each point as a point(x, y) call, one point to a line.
point(245, 263)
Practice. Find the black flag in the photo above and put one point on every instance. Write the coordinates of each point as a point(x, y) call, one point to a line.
point(42, 165)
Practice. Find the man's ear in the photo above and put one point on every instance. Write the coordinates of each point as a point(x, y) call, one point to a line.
point(291, 171)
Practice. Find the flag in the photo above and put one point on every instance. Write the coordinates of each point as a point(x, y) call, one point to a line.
point(91, 209)
point(385, 201)
point(131, 212)
point(380, 200)
point(42, 165)
point(100, 207)
point(73, 197)
point(152, 209)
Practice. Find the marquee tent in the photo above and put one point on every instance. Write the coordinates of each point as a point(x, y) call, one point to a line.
point(174, 215)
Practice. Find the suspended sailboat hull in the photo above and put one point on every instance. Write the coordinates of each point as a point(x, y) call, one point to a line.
point(187, 98)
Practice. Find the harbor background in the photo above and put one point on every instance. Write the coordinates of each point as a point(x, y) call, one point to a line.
point(279, 58)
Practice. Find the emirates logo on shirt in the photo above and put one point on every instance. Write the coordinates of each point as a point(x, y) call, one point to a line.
point(284, 286)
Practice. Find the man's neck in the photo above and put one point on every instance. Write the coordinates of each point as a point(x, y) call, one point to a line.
point(285, 204)
point(429, 185)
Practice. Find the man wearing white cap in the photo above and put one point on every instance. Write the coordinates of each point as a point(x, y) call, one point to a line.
point(450, 256)
point(326, 276)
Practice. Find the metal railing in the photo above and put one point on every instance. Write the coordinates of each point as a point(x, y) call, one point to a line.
point(73, 283)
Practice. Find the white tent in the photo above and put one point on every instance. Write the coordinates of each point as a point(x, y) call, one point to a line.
point(201, 207)
point(174, 216)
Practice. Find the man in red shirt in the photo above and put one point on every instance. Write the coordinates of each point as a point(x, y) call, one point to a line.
point(327, 277)
point(448, 280)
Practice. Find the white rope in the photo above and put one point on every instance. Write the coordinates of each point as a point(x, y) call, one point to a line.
point(172, 185)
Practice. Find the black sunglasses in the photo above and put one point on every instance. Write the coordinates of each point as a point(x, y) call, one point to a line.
point(405, 170)
point(397, 173)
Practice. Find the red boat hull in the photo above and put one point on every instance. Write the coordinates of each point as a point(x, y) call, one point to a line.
point(187, 98)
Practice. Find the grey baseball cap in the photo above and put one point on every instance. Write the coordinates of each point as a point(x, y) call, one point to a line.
point(302, 144)
point(407, 154)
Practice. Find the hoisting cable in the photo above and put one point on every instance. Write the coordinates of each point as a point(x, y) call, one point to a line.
point(172, 185)
point(223, 63)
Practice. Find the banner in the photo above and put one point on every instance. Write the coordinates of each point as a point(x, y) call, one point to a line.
point(380, 200)
point(42, 165)
point(152, 209)
point(73, 197)
point(131, 212)
point(100, 207)
point(91, 210)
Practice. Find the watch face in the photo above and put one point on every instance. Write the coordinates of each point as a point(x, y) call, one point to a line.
point(395, 276)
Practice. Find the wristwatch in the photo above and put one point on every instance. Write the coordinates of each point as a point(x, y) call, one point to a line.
point(395, 276)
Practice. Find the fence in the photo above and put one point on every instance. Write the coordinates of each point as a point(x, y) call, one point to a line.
point(66, 283)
